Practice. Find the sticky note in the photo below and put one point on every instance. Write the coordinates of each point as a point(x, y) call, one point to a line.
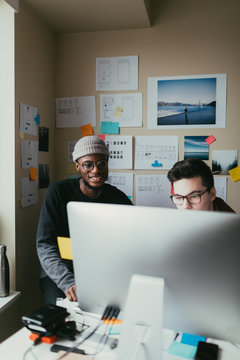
point(33, 173)
point(109, 127)
point(210, 139)
point(21, 134)
point(235, 173)
point(65, 247)
point(157, 164)
point(103, 137)
point(86, 130)
point(190, 339)
point(22, 202)
point(37, 119)
point(183, 350)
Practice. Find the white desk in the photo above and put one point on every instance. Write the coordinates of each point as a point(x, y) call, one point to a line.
point(15, 346)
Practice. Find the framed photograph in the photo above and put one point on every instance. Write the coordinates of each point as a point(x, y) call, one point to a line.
point(196, 101)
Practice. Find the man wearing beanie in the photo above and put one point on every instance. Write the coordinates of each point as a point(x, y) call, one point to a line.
point(91, 161)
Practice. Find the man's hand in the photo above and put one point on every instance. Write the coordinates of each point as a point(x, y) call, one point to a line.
point(71, 293)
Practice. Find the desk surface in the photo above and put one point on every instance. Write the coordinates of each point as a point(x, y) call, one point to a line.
point(15, 347)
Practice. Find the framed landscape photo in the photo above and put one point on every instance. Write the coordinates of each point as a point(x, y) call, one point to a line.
point(196, 101)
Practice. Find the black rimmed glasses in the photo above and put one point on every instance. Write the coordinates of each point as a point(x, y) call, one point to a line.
point(193, 199)
point(89, 165)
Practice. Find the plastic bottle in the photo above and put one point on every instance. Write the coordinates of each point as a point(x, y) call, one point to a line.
point(4, 272)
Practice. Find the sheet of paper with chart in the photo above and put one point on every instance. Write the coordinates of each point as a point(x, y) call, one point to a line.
point(75, 111)
point(29, 192)
point(155, 152)
point(28, 115)
point(120, 149)
point(220, 183)
point(153, 190)
point(29, 153)
point(123, 181)
point(117, 73)
point(126, 109)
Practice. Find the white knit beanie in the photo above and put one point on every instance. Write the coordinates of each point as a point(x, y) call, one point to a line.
point(88, 145)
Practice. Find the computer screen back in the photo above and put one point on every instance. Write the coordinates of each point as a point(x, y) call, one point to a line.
point(196, 252)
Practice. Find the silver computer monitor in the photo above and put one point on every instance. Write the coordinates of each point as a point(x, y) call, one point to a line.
point(196, 252)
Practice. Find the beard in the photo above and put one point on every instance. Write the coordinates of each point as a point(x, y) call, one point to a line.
point(92, 187)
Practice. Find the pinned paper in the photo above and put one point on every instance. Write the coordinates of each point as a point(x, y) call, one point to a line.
point(210, 139)
point(190, 339)
point(109, 127)
point(235, 173)
point(183, 350)
point(86, 130)
point(33, 173)
point(157, 164)
point(65, 247)
point(21, 134)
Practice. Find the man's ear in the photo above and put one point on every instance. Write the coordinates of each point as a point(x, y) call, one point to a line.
point(213, 193)
point(76, 166)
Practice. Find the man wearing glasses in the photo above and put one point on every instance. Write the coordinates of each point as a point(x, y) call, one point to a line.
point(90, 156)
point(192, 187)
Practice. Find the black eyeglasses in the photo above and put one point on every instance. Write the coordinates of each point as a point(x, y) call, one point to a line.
point(89, 165)
point(193, 199)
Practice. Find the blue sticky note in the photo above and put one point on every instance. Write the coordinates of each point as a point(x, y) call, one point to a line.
point(157, 164)
point(190, 339)
point(109, 127)
point(37, 119)
point(183, 350)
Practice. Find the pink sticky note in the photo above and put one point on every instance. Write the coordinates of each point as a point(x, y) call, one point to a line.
point(103, 137)
point(210, 139)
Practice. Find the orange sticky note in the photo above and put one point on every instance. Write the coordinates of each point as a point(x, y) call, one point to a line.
point(33, 173)
point(210, 139)
point(86, 130)
point(235, 173)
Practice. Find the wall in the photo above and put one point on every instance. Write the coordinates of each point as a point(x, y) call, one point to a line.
point(187, 38)
point(35, 85)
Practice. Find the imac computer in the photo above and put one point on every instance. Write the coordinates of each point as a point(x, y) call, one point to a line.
point(197, 253)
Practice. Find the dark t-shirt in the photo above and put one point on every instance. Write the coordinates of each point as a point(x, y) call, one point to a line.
point(53, 222)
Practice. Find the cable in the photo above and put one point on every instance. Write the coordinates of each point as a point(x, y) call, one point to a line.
point(109, 313)
point(36, 342)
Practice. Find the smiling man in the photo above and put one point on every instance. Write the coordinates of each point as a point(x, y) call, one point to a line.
point(192, 185)
point(90, 156)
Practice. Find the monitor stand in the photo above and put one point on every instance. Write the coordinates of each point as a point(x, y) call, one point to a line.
point(141, 333)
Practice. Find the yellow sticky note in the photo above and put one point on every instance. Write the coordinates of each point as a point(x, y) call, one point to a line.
point(21, 202)
point(235, 173)
point(119, 109)
point(21, 134)
point(86, 130)
point(33, 173)
point(65, 247)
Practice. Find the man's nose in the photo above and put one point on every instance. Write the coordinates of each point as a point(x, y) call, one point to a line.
point(186, 204)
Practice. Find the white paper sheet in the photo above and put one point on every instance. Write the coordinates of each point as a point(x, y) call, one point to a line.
point(120, 148)
point(155, 152)
point(220, 183)
point(27, 119)
point(71, 145)
point(203, 97)
point(126, 109)
point(117, 73)
point(29, 192)
point(123, 181)
point(29, 153)
point(75, 111)
point(153, 190)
